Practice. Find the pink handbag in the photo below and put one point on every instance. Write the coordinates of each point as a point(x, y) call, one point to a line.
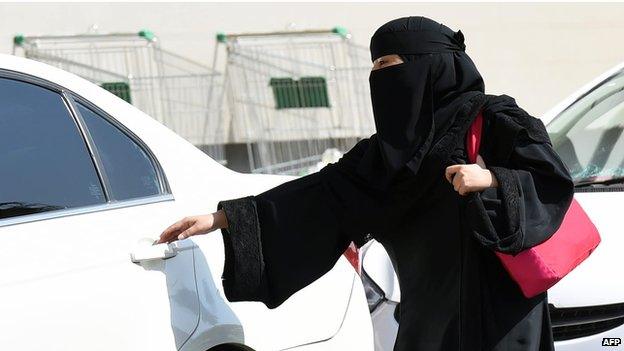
point(538, 268)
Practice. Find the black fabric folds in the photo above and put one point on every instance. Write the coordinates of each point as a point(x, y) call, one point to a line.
point(397, 37)
point(455, 293)
point(416, 101)
point(243, 276)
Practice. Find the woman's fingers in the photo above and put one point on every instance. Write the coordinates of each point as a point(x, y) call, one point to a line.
point(450, 171)
point(188, 232)
point(176, 229)
point(458, 181)
point(461, 176)
point(187, 227)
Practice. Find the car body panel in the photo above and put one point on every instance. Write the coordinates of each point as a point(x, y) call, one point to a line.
point(164, 304)
point(357, 321)
point(318, 309)
point(377, 264)
point(386, 327)
point(71, 280)
point(592, 342)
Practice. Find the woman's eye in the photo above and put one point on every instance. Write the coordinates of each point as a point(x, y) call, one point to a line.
point(383, 63)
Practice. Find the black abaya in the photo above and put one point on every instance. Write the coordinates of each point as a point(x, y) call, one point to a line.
point(455, 294)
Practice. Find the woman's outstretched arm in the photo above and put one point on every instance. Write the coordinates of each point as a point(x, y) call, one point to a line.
point(283, 239)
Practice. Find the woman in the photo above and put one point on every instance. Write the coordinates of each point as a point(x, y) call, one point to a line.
point(409, 187)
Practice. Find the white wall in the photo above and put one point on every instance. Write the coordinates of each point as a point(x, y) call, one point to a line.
point(537, 53)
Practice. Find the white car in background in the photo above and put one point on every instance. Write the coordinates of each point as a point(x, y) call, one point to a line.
point(87, 183)
point(587, 306)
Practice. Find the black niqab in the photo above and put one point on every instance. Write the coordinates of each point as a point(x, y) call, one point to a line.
point(416, 101)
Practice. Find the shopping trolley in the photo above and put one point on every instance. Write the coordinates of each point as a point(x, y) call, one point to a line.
point(292, 95)
point(178, 92)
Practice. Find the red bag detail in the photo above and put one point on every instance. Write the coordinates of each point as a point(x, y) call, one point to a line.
point(473, 138)
point(538, 268)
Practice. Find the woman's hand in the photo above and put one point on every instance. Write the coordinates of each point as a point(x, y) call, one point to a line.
point(467, 178)
point(193, 225)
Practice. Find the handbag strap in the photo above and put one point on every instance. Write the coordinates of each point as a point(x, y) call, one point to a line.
point(473, 138)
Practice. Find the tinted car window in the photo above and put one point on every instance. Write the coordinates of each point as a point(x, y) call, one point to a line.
point(44, 161)
point(130, 171)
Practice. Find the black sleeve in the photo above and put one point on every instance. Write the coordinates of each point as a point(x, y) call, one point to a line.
point(528, 206)
point(285, 238)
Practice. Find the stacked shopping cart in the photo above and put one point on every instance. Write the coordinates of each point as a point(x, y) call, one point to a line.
point(293, 95)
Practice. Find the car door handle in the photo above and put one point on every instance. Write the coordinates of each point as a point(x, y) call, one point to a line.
point(152, 252)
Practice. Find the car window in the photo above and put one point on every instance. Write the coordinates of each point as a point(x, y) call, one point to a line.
point(44, 161)
point(129, 169)
point(589, 136)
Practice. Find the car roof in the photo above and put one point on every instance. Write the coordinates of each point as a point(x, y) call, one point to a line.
point(565, 103)
point(43, 70)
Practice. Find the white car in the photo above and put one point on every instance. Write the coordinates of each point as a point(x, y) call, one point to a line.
point(87, 183)
point(587, 306)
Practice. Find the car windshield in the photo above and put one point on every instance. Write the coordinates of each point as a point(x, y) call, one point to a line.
point(588, 134)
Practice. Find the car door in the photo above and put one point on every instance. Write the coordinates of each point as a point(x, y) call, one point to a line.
point(78, 194)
